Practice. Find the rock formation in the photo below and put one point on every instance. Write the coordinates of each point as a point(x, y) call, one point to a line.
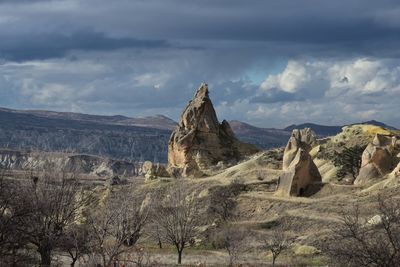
point(396, 171)
point(304, 139)
point(299, 170)
point(378, 159)
point(153, 171)
point(199, 142)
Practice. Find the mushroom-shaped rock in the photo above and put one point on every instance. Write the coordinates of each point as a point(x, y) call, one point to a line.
point(299, 170)
point(378, 159)
point(199, 142)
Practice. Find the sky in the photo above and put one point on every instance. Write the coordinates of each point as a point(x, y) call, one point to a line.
point(269, 63)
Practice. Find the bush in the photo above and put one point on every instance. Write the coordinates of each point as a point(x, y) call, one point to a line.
point(348, 161)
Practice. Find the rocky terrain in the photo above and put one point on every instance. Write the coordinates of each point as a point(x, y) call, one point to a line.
point(262, 203)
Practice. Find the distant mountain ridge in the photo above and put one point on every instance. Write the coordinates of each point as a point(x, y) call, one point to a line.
point(156, 121)
point(262, 137)
point(320, 130)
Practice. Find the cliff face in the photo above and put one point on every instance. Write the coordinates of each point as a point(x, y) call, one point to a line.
point(83, 164)
point(103, 136)
point(200, 141)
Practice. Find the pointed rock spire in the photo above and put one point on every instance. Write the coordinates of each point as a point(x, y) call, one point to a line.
point(199, 142)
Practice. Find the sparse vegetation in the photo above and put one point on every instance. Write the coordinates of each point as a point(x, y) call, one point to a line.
point(117, 225)
point(278, 240)
point(44, 207)
point(365, 242)
point(178, 217)
point(232, 239)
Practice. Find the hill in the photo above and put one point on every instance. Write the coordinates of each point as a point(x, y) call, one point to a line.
point(157, 121)
point(261, 137)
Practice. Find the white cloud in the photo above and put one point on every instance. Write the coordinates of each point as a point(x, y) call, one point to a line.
point(359, 76)
point(290, 80)
point(333, 92)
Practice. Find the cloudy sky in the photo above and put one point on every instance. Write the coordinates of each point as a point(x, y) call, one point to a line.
point(270, 63)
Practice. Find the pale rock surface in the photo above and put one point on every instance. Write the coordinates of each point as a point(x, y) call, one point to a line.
point(378, 159)
point(299, 170)
point(304, 139)
point(199, 142)
point(153, 171)
point(375, 220)
point(301, 173)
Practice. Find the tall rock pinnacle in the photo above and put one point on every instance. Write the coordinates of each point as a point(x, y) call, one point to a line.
point(200, 142)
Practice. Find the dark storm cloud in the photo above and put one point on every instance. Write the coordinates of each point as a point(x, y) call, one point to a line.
point(292, 28)
point(266, 61)
point(44, 46)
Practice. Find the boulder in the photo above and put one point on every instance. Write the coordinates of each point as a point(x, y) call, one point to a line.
point(199, 142)
point(299, 170)
point(153, 171)
point(378, 159)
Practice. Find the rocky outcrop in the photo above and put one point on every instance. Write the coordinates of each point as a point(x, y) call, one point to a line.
point(300, 139)
point(153, 171)
point(299, 170)
point(378, 159)
point(200, 141)
point(396, 171)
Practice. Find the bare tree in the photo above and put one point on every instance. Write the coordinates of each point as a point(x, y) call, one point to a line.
point(11, 244)
point(278, 239)
point(232, 239)
point(155, 233)
point(49, 203)
point(117, 224)
point(360, 241)
point(178, 217)
point(76, 242)
point(6, 215)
